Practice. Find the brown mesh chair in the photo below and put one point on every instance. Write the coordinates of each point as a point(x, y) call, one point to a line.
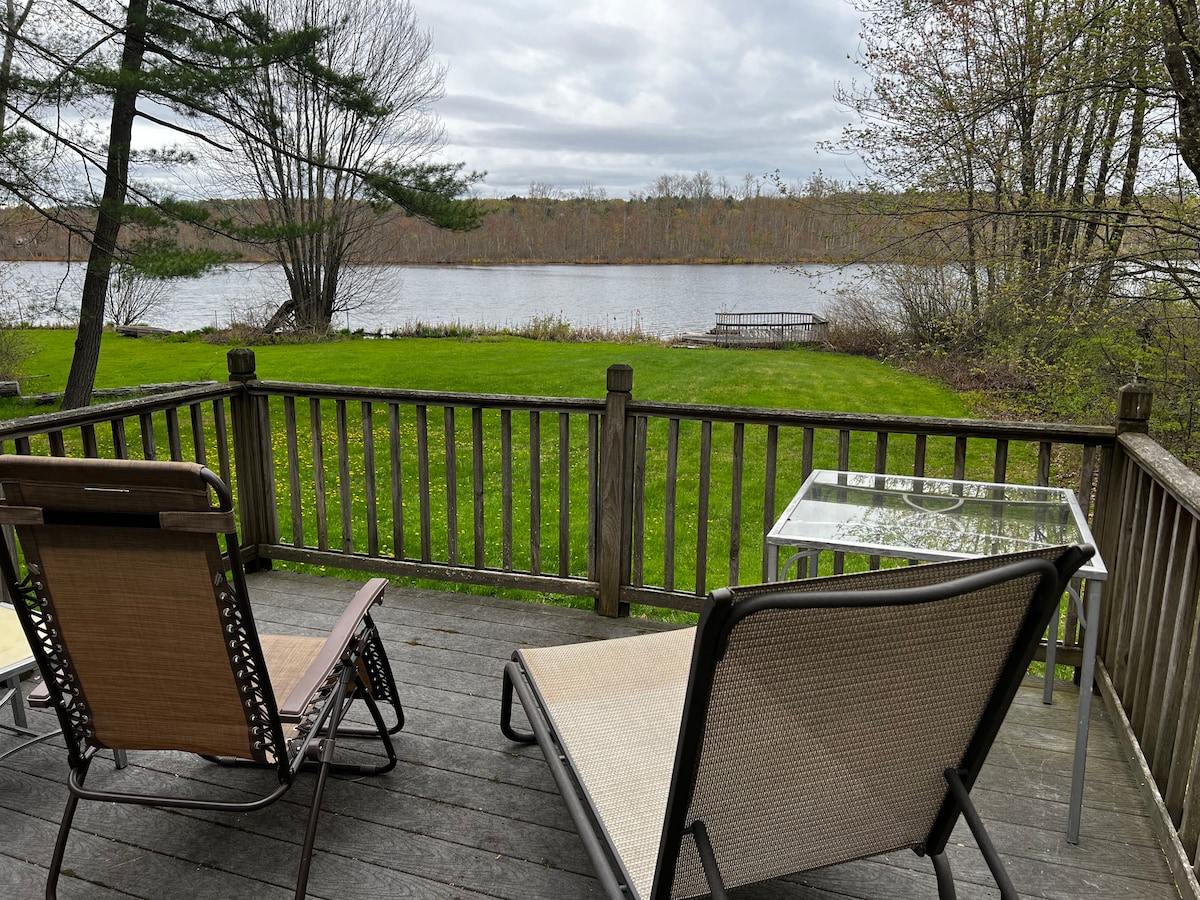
point(146, 640)
point(798, 726)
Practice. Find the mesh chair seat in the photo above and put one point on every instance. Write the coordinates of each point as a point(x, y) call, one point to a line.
point(616, 706)
point(798, 726)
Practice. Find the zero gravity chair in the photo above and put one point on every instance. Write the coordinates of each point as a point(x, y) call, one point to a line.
point(797, 726)
point(146, 640)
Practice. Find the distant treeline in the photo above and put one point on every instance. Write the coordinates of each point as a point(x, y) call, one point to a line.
point(658, 229)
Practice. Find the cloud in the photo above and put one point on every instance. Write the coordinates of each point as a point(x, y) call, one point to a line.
point(614, 94)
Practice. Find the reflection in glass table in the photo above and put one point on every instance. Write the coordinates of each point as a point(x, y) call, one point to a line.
point(934, 519)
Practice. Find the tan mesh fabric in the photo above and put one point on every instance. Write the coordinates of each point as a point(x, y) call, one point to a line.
point(288, 658)
point(616, 707)
point(829, 729)
point(177, 690)
point(139, 607)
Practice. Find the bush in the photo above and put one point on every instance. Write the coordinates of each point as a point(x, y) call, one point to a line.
point(14, 350)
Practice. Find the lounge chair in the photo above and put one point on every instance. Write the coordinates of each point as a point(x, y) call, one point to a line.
point(146, 639)
point(798, 726)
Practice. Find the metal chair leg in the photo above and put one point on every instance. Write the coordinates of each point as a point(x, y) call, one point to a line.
point(506, 705)
point(945, 879)
point(64, 830)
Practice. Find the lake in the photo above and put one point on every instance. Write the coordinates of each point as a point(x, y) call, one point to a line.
point(658, 300)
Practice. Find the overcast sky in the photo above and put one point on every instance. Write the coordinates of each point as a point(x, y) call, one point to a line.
point(612, 94)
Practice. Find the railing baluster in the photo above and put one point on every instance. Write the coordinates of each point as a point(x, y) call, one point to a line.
point(702, 508)
point(919, 449)
point(222, 431)
point(423, 488)
point(343, 464)
point(120, 446)
point(318, 457)
point(196, 418)
point(535, 492)
point(960, 457)
point(506, 491)
point(1045, 448)
point(669, 502)
point(839, 558)
point(293, 464)
point(564, 495)
point(593, 494)
point(477, 482)
point(735, 503)
point(91, 449)
point(638, 576)
point(369, 483)
point(397, 477)
point(770, 473)
point(451, 462)
point(149, 442)
point(1000, 464)
point(174, 435)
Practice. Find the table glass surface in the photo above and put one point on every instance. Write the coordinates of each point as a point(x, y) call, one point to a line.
point(930, 518)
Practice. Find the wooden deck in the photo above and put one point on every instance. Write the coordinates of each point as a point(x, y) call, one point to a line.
point(466, 814)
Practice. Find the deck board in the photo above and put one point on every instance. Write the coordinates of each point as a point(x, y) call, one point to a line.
point(466, 814)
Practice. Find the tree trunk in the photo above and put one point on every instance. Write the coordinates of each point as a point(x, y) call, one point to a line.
point(109, 217)
point(1181, 28)
point(14, 19)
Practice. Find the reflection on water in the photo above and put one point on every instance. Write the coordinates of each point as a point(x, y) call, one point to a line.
point(660, 300)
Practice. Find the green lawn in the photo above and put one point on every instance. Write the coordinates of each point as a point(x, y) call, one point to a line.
point(796, 379)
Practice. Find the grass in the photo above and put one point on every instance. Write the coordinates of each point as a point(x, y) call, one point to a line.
point(795, 379)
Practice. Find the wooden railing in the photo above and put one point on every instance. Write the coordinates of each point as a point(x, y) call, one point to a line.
point(1149, 640)
point(626, 501)
point(618, 500)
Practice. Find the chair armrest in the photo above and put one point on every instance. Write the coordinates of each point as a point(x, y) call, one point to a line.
point(335, 645)
point(39, 697)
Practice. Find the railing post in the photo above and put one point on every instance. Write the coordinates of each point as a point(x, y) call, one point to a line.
point(616, 495)
point(254, 466)
point(1133, 408)
point(1134, 402)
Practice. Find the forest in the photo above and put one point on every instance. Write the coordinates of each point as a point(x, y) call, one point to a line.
point(533, 230)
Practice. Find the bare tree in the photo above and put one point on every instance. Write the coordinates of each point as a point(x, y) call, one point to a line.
point(326, 163)
point(133, 295)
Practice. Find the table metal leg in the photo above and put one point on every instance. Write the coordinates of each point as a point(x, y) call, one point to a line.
point(1051, 650)
point(1091, 627)
point(772, 562)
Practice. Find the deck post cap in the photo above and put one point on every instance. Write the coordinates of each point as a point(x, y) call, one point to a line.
point(241, 364)
point(620, 378)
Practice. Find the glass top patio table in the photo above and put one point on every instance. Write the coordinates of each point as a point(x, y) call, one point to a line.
point(934, 519)
point(928, 519)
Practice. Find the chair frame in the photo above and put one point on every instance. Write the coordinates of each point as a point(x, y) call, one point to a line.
point(722, 612)
point(352, 664)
